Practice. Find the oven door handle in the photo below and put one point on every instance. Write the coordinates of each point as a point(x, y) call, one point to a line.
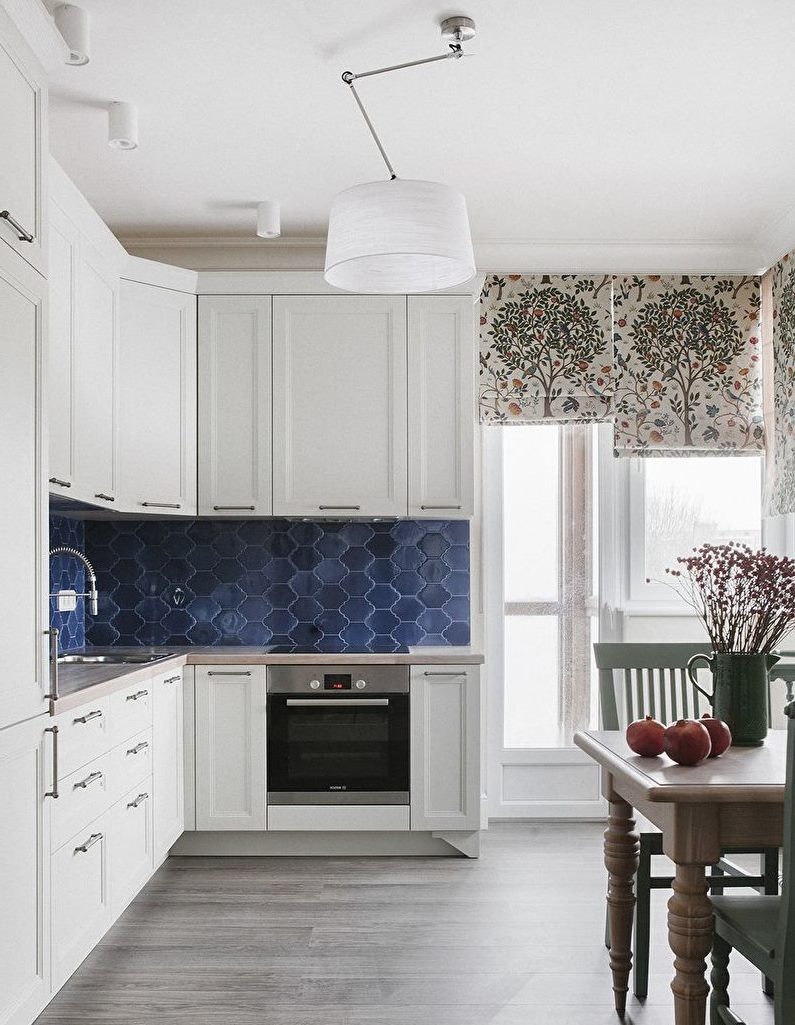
point(336, 702)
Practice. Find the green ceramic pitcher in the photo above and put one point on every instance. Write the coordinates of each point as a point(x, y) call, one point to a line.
point(740, 692)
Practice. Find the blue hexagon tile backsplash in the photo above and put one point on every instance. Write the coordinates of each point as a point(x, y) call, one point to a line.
point(337, 586)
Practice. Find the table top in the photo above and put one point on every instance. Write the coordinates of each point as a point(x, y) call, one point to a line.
point(742, 774)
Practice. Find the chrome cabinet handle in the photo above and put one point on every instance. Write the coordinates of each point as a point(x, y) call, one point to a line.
point(354, 507)
point(138, 694)
point(442, 674)
point(53, 695)
point(93, 777)
point(88, 717)
point(336, 702)
point(61, 483)
point(54, 792)
point(172, 679)
point(242, 672)
point(138, 748)
point(161, 505)
point(233, 508)
point(440, 506)
point(138, 800)
point(24, 236)
point(104, 497)
point(94, 838)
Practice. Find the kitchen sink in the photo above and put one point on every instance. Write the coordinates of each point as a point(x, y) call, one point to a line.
point(133, 658)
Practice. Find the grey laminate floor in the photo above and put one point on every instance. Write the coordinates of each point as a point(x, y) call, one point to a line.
point(512, 939)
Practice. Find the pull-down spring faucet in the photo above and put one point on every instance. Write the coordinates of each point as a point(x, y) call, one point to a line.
point(91, 594)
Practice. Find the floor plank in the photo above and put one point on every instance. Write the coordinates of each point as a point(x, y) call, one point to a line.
point(511, 938)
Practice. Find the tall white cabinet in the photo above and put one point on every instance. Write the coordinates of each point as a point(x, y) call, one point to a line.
point(339, 412)
point(235, 405)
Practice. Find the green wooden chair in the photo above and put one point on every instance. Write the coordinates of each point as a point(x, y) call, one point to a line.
point(650, 679)
point(762, 929)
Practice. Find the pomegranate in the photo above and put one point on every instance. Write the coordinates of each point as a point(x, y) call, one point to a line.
point(687, 742)
point(645, 737)
point(719, 734)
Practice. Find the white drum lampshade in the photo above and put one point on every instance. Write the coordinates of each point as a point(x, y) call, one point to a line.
point(122, 126)
point(72, 23)
point(398, 236)
point(268, 219)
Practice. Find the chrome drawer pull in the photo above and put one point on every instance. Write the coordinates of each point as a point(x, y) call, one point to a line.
point(353, 507)
point(440, 507)
point(138, 694)
point(442, 674)
point(88, 717)
point(94, 777)
point(53, 695)
point(161, 505)
point(335, 702)
point(172, 679)
point(138, 748)
point(138, 800)
point(24, 236)
point(104, 497)
point(94, 838)
point(234, 508)
point(61, 483)
point(242, 672)
point(54, 792)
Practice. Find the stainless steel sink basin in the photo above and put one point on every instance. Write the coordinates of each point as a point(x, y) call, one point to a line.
point(115, 659)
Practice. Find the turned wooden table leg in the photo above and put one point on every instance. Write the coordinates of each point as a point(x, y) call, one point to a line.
point(690, 937)
point(622, 847)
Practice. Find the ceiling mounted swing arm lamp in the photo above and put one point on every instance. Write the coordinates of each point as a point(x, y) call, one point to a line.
point(400, 235)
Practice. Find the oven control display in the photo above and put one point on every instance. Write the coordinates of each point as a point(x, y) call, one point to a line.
point(337, 681)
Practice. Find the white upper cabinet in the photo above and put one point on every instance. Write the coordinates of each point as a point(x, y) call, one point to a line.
point(23, 102)
point(441, 422)
point(235, 405)
point(156, 396)
point(339, 411)
point(23, 682)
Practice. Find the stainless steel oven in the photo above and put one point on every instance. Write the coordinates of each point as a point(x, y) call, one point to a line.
point(338, 734)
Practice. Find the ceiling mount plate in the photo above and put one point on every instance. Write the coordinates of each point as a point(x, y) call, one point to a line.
point(457, 29)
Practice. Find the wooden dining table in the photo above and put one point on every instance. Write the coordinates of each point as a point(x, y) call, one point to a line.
point(736, 800)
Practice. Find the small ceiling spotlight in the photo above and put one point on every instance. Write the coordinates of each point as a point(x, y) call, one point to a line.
point(268, 219)
point(72, 23)
point(122, 126)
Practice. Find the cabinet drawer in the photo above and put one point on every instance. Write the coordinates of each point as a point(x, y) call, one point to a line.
point(84, 734)
point(80, 897)
point(84, 795)
point(130, 762)
point(131, 856)
point(131, 711)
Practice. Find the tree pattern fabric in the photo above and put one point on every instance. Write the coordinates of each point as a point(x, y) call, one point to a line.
point(545, 350)
point(780, 496)
point(688, 365)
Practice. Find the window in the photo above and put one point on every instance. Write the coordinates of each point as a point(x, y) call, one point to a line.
point(678, 503)
point(549, 582)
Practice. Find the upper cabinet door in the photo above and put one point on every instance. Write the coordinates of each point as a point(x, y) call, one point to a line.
point(23, 102)
point(441, 406)
point(61, 340)
point(339, 412)
point(156, 389)
point(96, 319)
point(235, 405)
point(22, 605)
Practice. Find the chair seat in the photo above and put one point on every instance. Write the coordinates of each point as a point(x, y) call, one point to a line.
point(752, 920)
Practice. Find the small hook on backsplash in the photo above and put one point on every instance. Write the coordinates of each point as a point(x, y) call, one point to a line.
point(178, 596)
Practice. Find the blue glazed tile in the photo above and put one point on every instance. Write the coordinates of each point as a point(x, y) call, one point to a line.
point(255, 609)
point(254, 582)
point(457, 584)
point(151, 609)
point(382, 596)
point(204, 557)
point(382, 545)
point(408, 634)
point(229, 544)
point(382, 643)
point(280, 621)
point(433, 595)
point(457, 633)
point(456, 532)
point(305, 633)
point(433, 545)
point(408, 558)
point(356, 584)
point(126, 546)
point(101, 634)
point(457, 609)
point(331, 622)
point(457, 557)
point(203, 609)
point(331, 644)
point(151, 582)
point(203, 583)
point(357, 609)
point(357, 635)
point(331, 571)
point(178, 595)
point(331, 596)
point(306, 610)
point(357, 534)
point(435, 640)
point(434, 621)
point(305, 533)
point(281, 596)
point(228, 570)
point(382, 571)
point(434, 570)
point(279, 570)
point(408, 532)
point(204, 634)
point(408, 610)
point(357, 558)
point(255, 634)
point(153, 558)
point(254, 557)
point(178, 621)
point(255, 533)
point(383, 622)
point(305, 558)
point(282, 546)
point(228, 596)
point(305, 584)
point(127, 571)
point(229, 622)
point(332, 545)
point(408, 583)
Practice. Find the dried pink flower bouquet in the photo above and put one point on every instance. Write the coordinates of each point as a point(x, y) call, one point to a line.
point(744, 597)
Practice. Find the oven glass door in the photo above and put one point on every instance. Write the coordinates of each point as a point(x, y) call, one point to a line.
point(338, 746)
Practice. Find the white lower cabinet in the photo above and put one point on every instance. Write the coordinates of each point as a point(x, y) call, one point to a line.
point(168, 784)
point(230, 747)
point(81, 908)
point(131, 847)
point(445, 747)
point(25, 777)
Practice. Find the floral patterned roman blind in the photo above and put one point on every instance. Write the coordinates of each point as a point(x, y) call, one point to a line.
point(545, 350)
point(688, 366)
point(780, 316)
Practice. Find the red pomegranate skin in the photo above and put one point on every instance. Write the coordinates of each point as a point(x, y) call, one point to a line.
point(687, 742)
point(645, 737)
point(719, 734)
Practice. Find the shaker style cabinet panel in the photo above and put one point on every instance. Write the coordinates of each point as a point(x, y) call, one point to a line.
point(130, 852)
point(445, 747)
point(235, 405)
point(339, 412)
point(156, 396)
point(23, 603)
point(61, 343)
point(25, 776)
point(168, 769)
point(23, 102)
point(230, 747)
point(441, 404)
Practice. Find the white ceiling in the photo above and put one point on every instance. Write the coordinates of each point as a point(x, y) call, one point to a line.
point(625, 122)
